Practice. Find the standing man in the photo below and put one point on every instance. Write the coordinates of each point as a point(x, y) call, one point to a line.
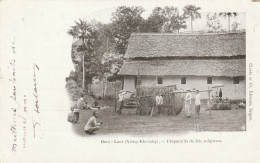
point(188, 103)
point(92, 124)
point(197, 103)
point(220, 94)
point(121, 102)
point(159, 102)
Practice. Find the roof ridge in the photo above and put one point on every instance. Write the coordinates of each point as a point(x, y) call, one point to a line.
point(183, 34)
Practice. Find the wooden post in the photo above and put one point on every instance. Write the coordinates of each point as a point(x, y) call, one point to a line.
point(209, 102)
point(83, 67)
point(115, 98)
point(152, 112)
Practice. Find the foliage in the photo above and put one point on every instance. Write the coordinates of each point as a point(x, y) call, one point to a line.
point(191, 11)
point(155, 21)
point(165, 19)
point(125, 21)
point(90, 43)
point(213, 22)
point(235, 26)
point(177, 22)
point(228, 15)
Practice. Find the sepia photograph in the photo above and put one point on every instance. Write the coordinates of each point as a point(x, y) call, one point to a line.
point(129, 81)
point(179, 69)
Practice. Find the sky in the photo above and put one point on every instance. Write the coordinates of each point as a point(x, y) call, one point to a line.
point(104, 16)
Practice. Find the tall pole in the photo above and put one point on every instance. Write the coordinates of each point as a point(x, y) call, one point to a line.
point(115, 98)
point(83, 67)
point(228, 23)
point(209, 102)
point(191, 23)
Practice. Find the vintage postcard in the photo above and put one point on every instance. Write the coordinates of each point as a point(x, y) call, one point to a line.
point(129, 81)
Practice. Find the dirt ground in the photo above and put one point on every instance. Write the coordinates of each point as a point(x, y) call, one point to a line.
point(131, 124)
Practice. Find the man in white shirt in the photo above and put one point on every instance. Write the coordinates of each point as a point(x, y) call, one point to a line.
point(197, 103)
point(80, 102)
point(159, 102)
point(92, 124)
point(121, 97)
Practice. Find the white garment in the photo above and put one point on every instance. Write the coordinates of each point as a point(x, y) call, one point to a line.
point(197, 99)
point(80, 103)
point(159, 100)
point(188, 109)
point(75, 110)
point(121, 96)
point(188, 98)
point(92, 122)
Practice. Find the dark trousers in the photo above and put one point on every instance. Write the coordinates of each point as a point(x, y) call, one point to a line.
point(159, 108)
point(76, 114)
point(91, 130)
point(120, 107)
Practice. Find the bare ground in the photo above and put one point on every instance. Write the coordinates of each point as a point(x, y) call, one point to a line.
point(129, 123)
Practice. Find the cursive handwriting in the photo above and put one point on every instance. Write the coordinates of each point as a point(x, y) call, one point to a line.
point(24, 119)
point(35, 89)
point(14, 109)
point(35, 94)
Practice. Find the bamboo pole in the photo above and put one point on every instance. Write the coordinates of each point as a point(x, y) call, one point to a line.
point(152, 112)
point(209, 102)
point(115, 99)
point(83, 67)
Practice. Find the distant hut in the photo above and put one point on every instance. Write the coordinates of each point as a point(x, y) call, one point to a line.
point(187, 61)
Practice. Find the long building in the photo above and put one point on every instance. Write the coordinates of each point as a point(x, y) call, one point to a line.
point(194, 61)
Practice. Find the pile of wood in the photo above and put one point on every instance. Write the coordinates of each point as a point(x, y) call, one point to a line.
point(172, 102)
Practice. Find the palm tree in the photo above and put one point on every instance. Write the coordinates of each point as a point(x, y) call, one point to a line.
point(81, 31)
point(192, 12)
point(228, 14)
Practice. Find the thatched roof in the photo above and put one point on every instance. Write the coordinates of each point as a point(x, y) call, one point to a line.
point(201, 67)
point(184, 45)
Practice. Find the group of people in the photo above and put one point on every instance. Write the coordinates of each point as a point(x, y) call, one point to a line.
point(92, 125)
point(187, 103)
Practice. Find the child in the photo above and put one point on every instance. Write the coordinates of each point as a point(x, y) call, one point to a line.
point(197, 103)
point(73, 116)
point(76, 114)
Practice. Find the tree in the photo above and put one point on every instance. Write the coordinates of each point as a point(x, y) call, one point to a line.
point(165, 19)
point(213, 22)
point(228, 14)
point(88, 36)
point(177, 22)
point(155, 21)
point(192, 12)
point(125, 21)
point(169, 13)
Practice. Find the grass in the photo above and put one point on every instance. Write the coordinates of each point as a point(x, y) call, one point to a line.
point(131, 124)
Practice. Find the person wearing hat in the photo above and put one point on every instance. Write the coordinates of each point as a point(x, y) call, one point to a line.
point(188, 103)
point(197, 103)
point(92, 124)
